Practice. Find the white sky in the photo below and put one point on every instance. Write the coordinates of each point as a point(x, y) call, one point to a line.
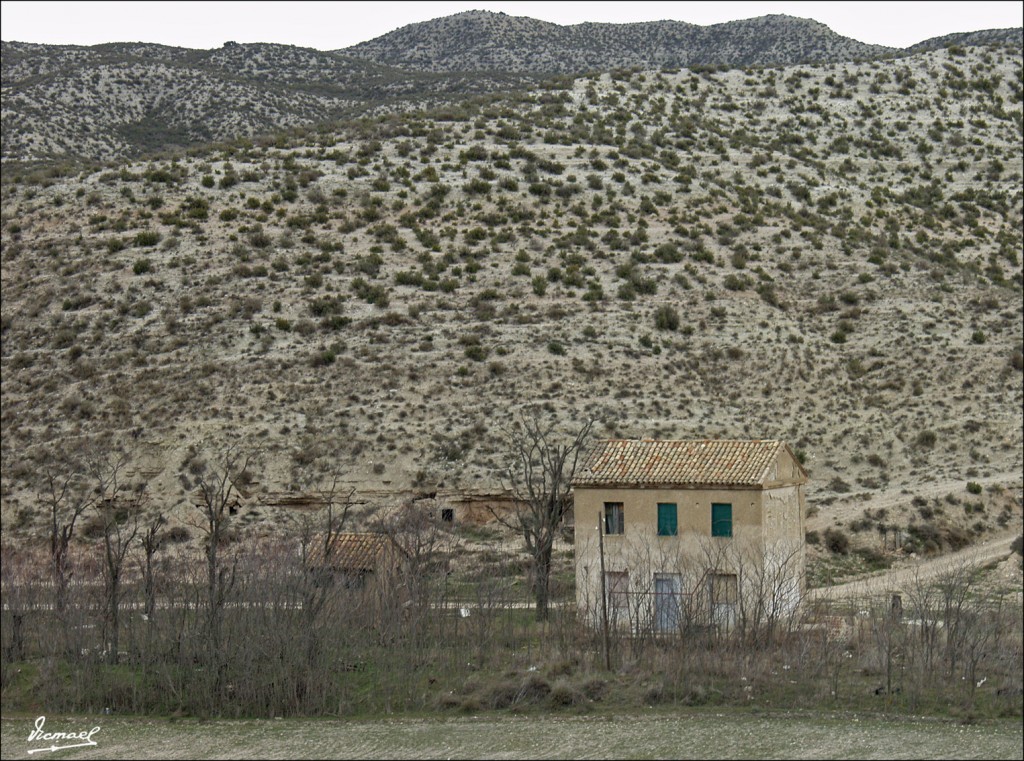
point(335, 25)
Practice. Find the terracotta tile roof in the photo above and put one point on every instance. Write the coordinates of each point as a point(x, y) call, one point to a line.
point(647, 462)
point(355, 552)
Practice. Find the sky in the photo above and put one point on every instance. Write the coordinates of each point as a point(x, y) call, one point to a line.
point(335, 25)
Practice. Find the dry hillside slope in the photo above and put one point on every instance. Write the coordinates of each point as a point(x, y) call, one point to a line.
point(828, 255)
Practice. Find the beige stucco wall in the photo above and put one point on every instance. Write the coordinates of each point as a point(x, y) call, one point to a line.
point(783, 513)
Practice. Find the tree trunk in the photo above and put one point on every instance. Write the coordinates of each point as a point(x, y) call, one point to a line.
point(541, 581)
point(114, 615)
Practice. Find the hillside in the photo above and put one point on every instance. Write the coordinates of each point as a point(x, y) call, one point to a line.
point(828, 255)
point(486, 41)
point(64, 103)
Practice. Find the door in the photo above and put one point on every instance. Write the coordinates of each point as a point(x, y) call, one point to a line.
point(666, 602)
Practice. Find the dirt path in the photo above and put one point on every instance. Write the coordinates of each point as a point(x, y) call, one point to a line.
point(899, 578)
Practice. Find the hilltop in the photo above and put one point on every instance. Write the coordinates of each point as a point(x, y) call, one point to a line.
point(486, 41)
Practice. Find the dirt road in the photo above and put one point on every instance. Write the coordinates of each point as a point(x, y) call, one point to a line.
point(897, 579)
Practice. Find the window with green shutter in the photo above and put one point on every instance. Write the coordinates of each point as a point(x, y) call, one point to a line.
point(668, 524)
point(721, 519)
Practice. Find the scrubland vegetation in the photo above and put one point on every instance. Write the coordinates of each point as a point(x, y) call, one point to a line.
point(259, 629)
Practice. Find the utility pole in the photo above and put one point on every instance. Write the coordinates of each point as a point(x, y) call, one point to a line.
point(604, 595)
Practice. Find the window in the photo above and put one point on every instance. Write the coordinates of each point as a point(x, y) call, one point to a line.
point(616, 584)
point(614, 520)
point(668, 524)
point(723, 591)
point(721, 519)
point(448, 514)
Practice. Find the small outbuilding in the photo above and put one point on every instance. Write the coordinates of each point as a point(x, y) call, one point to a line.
point(358, 561)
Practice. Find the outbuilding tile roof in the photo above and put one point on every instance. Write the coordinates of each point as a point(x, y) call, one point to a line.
point(353, 551)
point(648, 462)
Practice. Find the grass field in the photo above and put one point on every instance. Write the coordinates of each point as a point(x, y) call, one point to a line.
point(654, 734)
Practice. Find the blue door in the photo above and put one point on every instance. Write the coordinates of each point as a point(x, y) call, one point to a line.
point(666, 602)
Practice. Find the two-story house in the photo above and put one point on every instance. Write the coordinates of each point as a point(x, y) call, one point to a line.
point(677, 534)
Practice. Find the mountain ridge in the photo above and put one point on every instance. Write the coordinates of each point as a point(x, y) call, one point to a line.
point(134, 99)
point(483, 40)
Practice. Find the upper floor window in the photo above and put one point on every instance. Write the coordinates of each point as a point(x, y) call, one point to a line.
point(721, 519)
point(614, 519)
point(668, 522)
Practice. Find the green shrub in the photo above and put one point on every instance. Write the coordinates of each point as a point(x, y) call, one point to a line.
point(925, 440)
point(148, 238)
point(836, 541)
point(666, 318)
point(323, 358)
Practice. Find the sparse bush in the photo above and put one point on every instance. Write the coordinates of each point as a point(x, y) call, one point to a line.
point(502, 695)
point(176, 535)
point(533, 689)
point(564, 694)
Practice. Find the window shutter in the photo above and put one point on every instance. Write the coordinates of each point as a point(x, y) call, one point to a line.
point(668, 524)
point(721, 519)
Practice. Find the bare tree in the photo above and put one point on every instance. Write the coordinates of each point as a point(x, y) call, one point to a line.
point(119, 506)
point(151, 539)
point(66, 494)
point(426, 546)
point(956, 586)
point(218, 481)
point(318, 539)
point(540, 477)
